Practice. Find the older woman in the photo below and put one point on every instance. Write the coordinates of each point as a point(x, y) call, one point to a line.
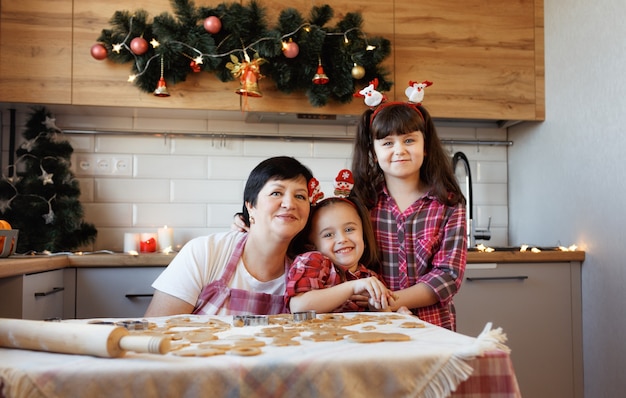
point(236, 272)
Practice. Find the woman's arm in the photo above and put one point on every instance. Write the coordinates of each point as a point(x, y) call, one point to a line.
point(163, 304)
point(418, 295)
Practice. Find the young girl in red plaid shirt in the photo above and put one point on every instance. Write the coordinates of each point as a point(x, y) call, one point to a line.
point(403, 175)
point(326, 280)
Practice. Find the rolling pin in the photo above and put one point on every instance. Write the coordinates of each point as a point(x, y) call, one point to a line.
point(107, 341)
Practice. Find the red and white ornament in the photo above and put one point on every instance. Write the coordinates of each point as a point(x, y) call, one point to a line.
point(315, 192)
point(212, 24)
point(291, 49)
point(138, 45)
point(415, 91)
point(99, 51)
point(370, 94)
point(343, 183)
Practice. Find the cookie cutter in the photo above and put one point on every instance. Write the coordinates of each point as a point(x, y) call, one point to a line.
point(304, 316)
point(250, 320)
point(129, 324)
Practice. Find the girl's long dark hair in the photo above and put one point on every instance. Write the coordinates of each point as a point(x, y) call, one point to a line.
point(398, 119)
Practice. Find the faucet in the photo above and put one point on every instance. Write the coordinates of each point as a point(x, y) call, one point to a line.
point(472, 232)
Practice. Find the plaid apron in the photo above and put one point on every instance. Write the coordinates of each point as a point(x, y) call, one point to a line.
point(217, 295)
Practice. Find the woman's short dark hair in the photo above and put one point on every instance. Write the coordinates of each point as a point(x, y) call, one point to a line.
point(275, 168)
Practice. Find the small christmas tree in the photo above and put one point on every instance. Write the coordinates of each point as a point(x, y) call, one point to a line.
point(40, 197)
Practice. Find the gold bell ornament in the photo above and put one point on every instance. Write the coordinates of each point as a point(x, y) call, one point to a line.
point(248, 72)
point(249, 84)
point(161, 89)
point(320, 77)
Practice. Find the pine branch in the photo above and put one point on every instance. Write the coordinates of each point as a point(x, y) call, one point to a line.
point(245, 32)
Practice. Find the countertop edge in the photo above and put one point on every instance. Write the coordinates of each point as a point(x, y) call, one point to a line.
point(20, 265)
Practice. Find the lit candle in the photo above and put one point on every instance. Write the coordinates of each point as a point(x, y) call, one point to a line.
point(166, 239)
point(147, 243)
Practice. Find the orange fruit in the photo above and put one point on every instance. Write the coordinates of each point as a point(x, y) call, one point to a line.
point(4, 225)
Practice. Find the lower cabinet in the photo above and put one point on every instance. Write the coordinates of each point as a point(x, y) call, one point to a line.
point(538, 306)
point(114, 292)
point(36, 296)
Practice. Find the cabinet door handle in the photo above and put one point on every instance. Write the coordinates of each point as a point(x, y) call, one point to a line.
point(130, 296)
point(54, 290)
point(496, 278)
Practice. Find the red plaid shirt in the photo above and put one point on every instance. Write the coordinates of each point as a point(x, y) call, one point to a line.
point(313, 270)
point(426, 243)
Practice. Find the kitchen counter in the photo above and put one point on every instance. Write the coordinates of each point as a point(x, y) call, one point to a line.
point(18, 265)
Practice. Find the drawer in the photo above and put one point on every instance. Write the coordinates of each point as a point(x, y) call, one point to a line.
point(114, 292)
point(43, 295)
point(33, 296)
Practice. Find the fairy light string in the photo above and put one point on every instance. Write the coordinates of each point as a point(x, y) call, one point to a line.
point(185, 40)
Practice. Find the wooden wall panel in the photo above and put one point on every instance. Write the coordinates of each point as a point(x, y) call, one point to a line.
point(35, 51)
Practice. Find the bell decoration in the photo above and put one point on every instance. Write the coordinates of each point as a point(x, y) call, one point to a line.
point(320, 77)
point(248, 72)
point(249, 85)
point(161, 89)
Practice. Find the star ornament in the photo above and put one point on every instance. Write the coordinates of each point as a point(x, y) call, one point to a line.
point(5, 205)
point(154, 43)
point(46, 178)
point(117, 48)
point(198, 60)
point(49, 217)
point(50, 123)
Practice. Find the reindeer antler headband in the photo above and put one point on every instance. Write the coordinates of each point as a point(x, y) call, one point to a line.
point(377, 101)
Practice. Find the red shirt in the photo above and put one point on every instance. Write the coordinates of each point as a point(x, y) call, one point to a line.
point(313, 270)
point(425, 243)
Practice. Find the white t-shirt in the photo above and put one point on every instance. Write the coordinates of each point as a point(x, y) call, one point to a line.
point(202, 261)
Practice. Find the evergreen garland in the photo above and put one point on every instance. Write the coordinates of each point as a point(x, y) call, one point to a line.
point(182, 38)
point(41, 198)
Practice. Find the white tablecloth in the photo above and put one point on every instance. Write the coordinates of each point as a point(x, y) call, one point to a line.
point(431, 364)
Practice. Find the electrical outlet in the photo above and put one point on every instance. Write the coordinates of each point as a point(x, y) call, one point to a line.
point(103, 165)
point(122, 165)
point(84, 165)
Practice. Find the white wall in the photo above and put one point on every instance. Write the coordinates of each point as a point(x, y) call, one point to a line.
point(195, 184)
point(566, 175)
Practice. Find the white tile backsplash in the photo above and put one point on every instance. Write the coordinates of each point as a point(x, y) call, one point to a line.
point(170, 167)
point(131, 190)
point(155, 215)
point(194, 184)
point(208, 191)
point(273, 147)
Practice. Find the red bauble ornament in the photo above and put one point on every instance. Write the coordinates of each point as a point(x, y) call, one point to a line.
point(99, 51)
point(212, 24)
point(291, 49)
point(139, 45)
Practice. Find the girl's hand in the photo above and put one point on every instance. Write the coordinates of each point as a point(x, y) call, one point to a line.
point(374, 291)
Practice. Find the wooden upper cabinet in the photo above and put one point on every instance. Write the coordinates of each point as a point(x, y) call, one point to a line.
point(105, 83)
point(35, 51)
point(485, 57)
